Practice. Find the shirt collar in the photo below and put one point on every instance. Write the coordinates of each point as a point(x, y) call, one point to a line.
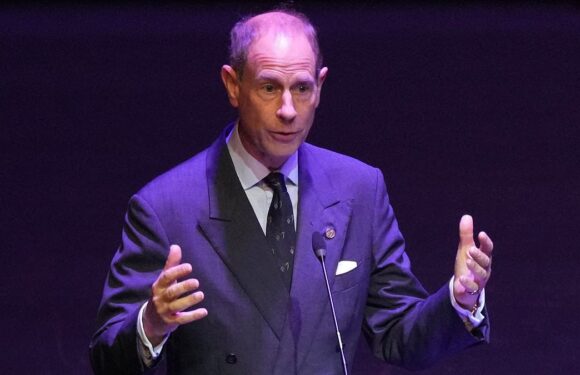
point(249, 170)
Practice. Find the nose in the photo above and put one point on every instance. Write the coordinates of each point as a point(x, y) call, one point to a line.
point(286, 112)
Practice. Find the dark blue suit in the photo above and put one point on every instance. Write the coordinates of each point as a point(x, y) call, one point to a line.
point(201, 206)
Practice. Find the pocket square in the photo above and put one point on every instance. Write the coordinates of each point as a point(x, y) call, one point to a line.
point(345, 266)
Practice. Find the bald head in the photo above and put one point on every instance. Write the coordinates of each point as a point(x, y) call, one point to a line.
point(250, 29)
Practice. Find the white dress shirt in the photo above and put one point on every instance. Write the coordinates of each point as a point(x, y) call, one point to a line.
point(251, 174)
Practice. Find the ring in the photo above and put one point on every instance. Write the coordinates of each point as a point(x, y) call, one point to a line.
point(472, 292)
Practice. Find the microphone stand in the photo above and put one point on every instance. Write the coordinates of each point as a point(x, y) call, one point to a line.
point(320, 251)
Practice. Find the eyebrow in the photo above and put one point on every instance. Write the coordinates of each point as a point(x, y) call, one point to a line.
point(301, 78)
point(267, 77)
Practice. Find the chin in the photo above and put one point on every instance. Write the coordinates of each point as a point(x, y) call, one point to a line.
point(275, 160)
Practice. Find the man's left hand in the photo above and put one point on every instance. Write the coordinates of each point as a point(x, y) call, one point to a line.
point(472, 264)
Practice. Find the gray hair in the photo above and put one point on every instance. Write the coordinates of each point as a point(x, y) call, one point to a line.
point(244, 33)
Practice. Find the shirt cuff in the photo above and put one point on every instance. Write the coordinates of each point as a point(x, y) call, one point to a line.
point(475, 318)
point(148, 353)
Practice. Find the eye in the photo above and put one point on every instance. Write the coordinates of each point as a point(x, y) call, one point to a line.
point(269, 88)
point(303, 88)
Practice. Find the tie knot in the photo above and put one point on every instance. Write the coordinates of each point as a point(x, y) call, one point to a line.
point(275, 181)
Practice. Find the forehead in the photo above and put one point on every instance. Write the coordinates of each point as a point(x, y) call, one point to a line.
point(282, 49)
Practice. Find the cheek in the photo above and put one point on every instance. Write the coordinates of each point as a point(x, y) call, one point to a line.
point(307, 111)
point(260, 109)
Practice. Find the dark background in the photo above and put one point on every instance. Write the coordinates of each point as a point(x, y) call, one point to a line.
point(466, 109)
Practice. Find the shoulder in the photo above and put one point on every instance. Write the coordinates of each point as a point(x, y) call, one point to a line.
point(187, 178)
point(340, 166)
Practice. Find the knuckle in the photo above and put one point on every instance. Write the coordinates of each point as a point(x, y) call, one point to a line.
point(193, 299)
point(170, 311)
point(182, 319)
point(163, 279)
point(162, 313)
point(186, 286)
point(155, 286)
point(157, 304)
point(183, 268)
point(170, 294)
point(175, 307)
point(169, 275)
point(190, 300)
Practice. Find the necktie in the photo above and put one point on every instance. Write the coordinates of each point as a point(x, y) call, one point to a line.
point(280, 232)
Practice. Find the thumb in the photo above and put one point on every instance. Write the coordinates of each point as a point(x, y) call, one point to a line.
point(173, 258)
point(466, 231)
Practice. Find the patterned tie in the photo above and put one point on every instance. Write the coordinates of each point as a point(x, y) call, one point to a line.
point(280, 232)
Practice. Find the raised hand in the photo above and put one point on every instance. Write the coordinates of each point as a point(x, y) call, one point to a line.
point(169, 298)
point(472, 264)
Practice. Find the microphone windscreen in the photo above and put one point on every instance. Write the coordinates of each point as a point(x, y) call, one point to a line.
point(318, 244)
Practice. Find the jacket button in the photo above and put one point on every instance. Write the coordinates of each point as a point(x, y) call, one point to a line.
point(231, 358)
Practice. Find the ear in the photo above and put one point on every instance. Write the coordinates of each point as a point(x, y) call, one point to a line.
point(231, 83)
point(321, 78)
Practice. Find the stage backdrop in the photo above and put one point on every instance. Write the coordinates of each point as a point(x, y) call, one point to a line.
point(469, 109)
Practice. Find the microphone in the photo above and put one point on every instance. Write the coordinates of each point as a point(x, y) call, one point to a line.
point(319, 248)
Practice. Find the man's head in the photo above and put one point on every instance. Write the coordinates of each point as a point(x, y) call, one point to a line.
point(248, 29)
point(274, 80)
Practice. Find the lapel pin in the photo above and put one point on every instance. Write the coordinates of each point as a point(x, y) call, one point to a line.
point(329, 232)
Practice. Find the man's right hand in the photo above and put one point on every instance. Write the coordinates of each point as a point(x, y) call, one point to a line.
point(169, 298)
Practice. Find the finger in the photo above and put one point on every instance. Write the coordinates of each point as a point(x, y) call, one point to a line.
point(468, 284)
point(480, 257)
point(173, 258)
point(485, 243)
point(178, 289)
point(189, 316)
point(185, 302)
point(479, 273)
point(169, 276)
point(466, 231)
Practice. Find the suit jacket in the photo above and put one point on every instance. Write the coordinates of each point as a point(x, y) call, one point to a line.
point(254, 325)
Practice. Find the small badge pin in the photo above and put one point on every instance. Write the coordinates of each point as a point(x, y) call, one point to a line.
point(329, 232)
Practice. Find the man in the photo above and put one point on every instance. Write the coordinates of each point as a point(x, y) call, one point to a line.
point(216, 270)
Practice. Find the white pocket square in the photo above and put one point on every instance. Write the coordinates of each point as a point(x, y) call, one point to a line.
point(345, 266)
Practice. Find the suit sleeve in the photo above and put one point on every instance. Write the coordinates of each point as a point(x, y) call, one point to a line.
point(403, 323)
point(135, 266)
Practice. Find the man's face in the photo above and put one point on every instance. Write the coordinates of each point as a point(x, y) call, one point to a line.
point(276, 97)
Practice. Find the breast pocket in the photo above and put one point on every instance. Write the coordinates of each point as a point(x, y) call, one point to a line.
point(350, 278)
point(349, 292)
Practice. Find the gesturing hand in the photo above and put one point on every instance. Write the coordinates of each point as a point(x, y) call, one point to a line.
point(169, 298)
point(472, 264)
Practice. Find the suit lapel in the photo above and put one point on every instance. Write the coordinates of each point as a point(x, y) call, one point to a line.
point(320, 207)
point(235, 234)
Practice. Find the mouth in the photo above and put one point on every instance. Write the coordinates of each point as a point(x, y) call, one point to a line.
point(285, 136)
